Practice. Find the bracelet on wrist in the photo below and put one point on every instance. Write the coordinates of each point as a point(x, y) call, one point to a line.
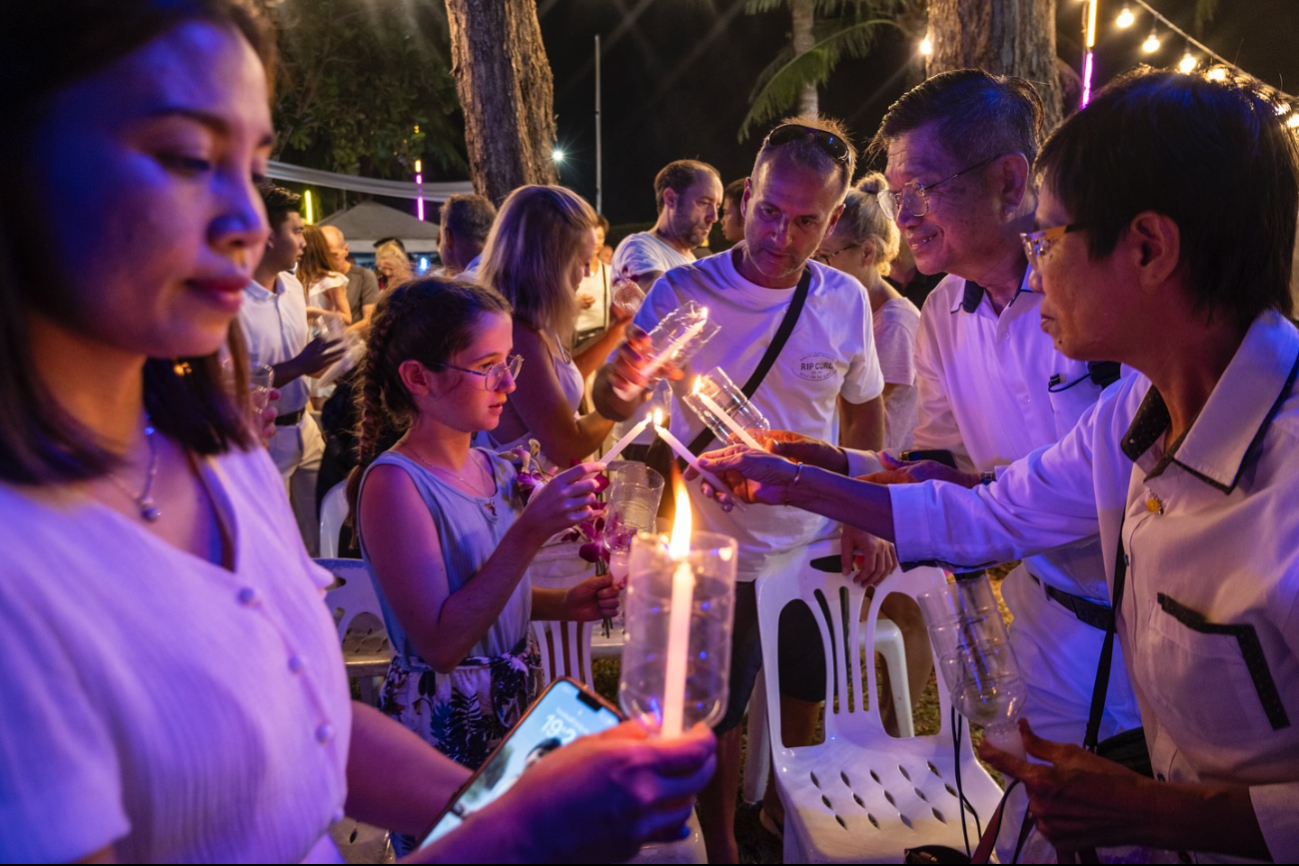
point(798, 473)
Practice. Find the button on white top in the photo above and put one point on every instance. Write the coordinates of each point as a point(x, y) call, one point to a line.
point(324, 733)
point(295, 665)
point(248, 596)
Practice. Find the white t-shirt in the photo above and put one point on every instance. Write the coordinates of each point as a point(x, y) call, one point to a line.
point(158, 703)
point(894, 325)
point(597, 285)
point(275, 329)
point(831, 353)
point(637, 254)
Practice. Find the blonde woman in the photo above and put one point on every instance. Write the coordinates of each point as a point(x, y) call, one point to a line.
point(864, 244)
point(536, 256)
point(393, 266)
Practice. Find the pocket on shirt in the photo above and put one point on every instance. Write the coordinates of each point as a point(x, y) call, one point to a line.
point(1073, 395)
point(1211, 679)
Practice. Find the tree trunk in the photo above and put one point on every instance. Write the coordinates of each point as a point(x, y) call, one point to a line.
point(507, 93)
point(802, 17)
point(1007, 37)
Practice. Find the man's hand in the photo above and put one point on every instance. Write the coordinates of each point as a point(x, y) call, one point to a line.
point(904, 472)
point(875, 557)
point(752, 476)
point(316, 357)
point(1080, 800)
point(264, 419)
point(804, 449)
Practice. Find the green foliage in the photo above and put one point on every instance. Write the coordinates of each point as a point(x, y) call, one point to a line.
point(843, 28)
point(355, 80)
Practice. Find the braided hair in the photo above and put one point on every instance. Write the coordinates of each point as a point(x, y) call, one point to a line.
point(427, 320)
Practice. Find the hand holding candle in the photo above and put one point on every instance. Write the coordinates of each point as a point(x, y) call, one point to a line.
point(684, 453)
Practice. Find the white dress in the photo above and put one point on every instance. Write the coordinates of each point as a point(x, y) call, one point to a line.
point(318, 292)
point(158, 703)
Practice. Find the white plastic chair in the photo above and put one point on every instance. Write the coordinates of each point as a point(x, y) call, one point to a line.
point(757, 756)
point(354, 604)
point(862, 796)
point(333, 511)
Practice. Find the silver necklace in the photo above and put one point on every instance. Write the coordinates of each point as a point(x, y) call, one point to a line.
point(144, 502)
point(487, 502)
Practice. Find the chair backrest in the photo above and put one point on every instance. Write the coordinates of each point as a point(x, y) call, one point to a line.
point(354, 596)
point(836, 604)
point(565, 649)
point(333, 511)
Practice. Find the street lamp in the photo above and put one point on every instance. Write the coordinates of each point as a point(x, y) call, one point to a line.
point(557, 154)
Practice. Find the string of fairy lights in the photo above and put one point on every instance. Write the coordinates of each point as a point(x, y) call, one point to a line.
point(1218, 67)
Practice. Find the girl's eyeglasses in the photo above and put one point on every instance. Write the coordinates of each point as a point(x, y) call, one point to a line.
point(494, 376)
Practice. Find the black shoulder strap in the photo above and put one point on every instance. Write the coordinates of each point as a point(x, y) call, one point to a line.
point(773, 351)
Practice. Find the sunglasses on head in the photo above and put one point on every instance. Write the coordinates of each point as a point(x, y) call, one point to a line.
point(832, 145)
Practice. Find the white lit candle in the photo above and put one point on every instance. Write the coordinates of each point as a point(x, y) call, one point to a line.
point(727, 421)
point(618, 447)
point(682, 605)
point(684, 453)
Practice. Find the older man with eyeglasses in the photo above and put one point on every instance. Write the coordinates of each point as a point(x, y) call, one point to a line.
point(825, 382)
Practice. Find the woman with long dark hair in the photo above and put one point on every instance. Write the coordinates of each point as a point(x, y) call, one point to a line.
point(173, 689)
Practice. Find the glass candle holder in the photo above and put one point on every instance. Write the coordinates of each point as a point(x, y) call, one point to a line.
point(714, 393)
point(631, 507)
point(696, 642)
point(975, 657)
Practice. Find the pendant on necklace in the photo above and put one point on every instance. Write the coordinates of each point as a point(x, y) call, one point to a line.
point(148, 510)
point(490, 505)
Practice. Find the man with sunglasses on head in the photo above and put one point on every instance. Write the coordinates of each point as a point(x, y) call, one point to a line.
point(825, 382)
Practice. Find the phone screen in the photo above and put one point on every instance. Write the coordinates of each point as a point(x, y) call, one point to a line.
point(562, 714)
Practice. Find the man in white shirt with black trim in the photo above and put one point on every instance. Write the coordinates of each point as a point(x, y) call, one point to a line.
point(992, 387)
point(1165, 239)
point(826, 382)
point(274, 321)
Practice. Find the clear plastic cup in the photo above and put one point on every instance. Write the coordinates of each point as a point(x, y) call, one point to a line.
point(627, 296)
point(711, 560)
point(675, 340)
point(261, 379)
point(718, 387)
point(975, 657)
point(631, 507)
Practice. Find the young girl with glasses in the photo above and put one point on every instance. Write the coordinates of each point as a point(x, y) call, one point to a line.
point(442, 527)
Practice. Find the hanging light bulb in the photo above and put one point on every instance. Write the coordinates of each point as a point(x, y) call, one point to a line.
point(1217, 73)
point(926, 46)
point(1293, 122)
point(1187, 64)
point(1125, 18)
point(1151, 45)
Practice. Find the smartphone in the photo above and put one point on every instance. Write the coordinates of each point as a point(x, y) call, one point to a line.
point(940, 455)
point(565, 712)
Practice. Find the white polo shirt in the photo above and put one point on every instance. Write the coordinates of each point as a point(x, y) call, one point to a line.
point(992, 388)
point(1209, 622)
point(831, 353)
point(275, 328)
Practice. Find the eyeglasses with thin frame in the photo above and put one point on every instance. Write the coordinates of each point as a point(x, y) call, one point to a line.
point(1037, 243)
point(494, 376)
point(825, 257)
point(831, 145)
point(915, 197)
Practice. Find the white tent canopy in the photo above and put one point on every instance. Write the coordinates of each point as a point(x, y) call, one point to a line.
point(391, 188)
point(369, 221)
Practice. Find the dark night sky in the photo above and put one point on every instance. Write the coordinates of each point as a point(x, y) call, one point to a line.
point(677, 76)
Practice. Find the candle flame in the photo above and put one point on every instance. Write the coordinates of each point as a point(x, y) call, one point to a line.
point(679, 545)
point(698, 382)
point(658, 417)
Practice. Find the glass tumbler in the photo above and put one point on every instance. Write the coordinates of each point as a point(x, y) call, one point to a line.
point(711, 561)
point(261, 378)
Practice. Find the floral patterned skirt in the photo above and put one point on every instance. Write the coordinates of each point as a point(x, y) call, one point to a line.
point(466, 713)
